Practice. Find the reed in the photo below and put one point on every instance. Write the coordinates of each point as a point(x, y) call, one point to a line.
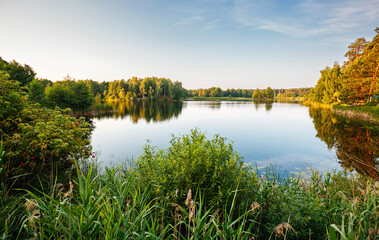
point(119, 204)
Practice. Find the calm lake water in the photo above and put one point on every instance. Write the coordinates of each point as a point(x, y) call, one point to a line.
point(290, 136)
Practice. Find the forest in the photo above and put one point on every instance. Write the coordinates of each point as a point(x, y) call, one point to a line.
point(355, 81)
point(258, 94)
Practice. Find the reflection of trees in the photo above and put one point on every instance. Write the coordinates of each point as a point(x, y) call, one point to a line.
point(268, 105)
point(357, 146)
point(149, 110)
point(209, 104)
point(257, 103)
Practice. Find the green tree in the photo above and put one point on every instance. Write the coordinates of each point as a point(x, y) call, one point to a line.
point(23, 74)
point(269, 93)
point(37, 92)
point(258, 94)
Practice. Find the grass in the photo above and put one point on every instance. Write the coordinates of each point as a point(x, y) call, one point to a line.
point(113, 206)
point(368, 112)
point(174, 200)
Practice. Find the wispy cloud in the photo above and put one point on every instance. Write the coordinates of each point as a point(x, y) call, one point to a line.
point(203, 18)
point(190, 20)
point(211, 24)
point(308, 18)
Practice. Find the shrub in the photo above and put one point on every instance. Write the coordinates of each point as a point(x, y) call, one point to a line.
point(193, 161)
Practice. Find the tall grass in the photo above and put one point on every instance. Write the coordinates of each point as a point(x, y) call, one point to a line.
point(113, 206)
point(121, 203)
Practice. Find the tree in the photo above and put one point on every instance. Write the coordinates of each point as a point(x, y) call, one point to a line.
point(269, 93)
point(258, 94)
point(356, 49)
point(37, 92)
point(176, 91)
point(37, 141)
point(23, 74)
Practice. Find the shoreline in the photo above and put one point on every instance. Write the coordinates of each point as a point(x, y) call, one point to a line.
point(364, 113)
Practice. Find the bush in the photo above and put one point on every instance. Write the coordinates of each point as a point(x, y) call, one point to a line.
point(193, 161)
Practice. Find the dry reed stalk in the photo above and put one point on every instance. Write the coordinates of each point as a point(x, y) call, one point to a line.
point(30, 205)
point(176, 193)
point(189, 197)
point(255, 205)
point(177, 219)
point(191, 209)
point(69, 192)
point(280, 229)
point(59, 187)
point(99, 191)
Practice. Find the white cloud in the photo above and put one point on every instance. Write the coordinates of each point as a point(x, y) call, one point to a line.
point(308, 18)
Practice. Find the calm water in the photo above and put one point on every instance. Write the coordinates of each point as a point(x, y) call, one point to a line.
point(287, 135)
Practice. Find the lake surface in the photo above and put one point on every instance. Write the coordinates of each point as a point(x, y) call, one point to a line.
point(287, 135)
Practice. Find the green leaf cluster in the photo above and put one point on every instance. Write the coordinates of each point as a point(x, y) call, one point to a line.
point(354, 83)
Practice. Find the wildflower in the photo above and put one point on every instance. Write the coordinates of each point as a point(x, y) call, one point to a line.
point(51, 154)
point(24, 154)
point(39, 110)
point(33, 157)
point(93, 156)
point(22, 164)
point(72, 163)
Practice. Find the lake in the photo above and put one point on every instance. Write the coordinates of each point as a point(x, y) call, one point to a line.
point(289, 136)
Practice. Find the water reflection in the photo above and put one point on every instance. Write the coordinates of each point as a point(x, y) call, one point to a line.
point(268, 105)
point(155, 111)
point(283, 135)
point(356, 145)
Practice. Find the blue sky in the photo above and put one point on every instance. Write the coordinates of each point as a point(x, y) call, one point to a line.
point(231, 44)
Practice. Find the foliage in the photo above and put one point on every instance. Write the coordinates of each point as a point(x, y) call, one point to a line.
point(37, 92)
point(47, 141)
point(69, 94)
point(115, 205)
point(152, 88)
point(23, 74)
point(269, 93)
point(193, 162)
point(356, 81)
point(258, 94)
point(38, 141)
point(12, 101)
point(150, 200)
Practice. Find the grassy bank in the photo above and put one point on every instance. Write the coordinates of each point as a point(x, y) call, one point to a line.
point(370, 113)
point(198, 188)
point(366, 113)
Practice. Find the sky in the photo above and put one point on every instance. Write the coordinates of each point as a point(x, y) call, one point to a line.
point(201, 43)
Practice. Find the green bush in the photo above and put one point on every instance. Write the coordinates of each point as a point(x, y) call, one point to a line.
point(193, 161)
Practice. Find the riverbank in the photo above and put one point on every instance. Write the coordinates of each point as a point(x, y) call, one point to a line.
point(367, 113)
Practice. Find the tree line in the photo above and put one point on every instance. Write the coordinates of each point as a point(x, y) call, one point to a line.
point(355, 82)
point(259, 94)
point(82, 94)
